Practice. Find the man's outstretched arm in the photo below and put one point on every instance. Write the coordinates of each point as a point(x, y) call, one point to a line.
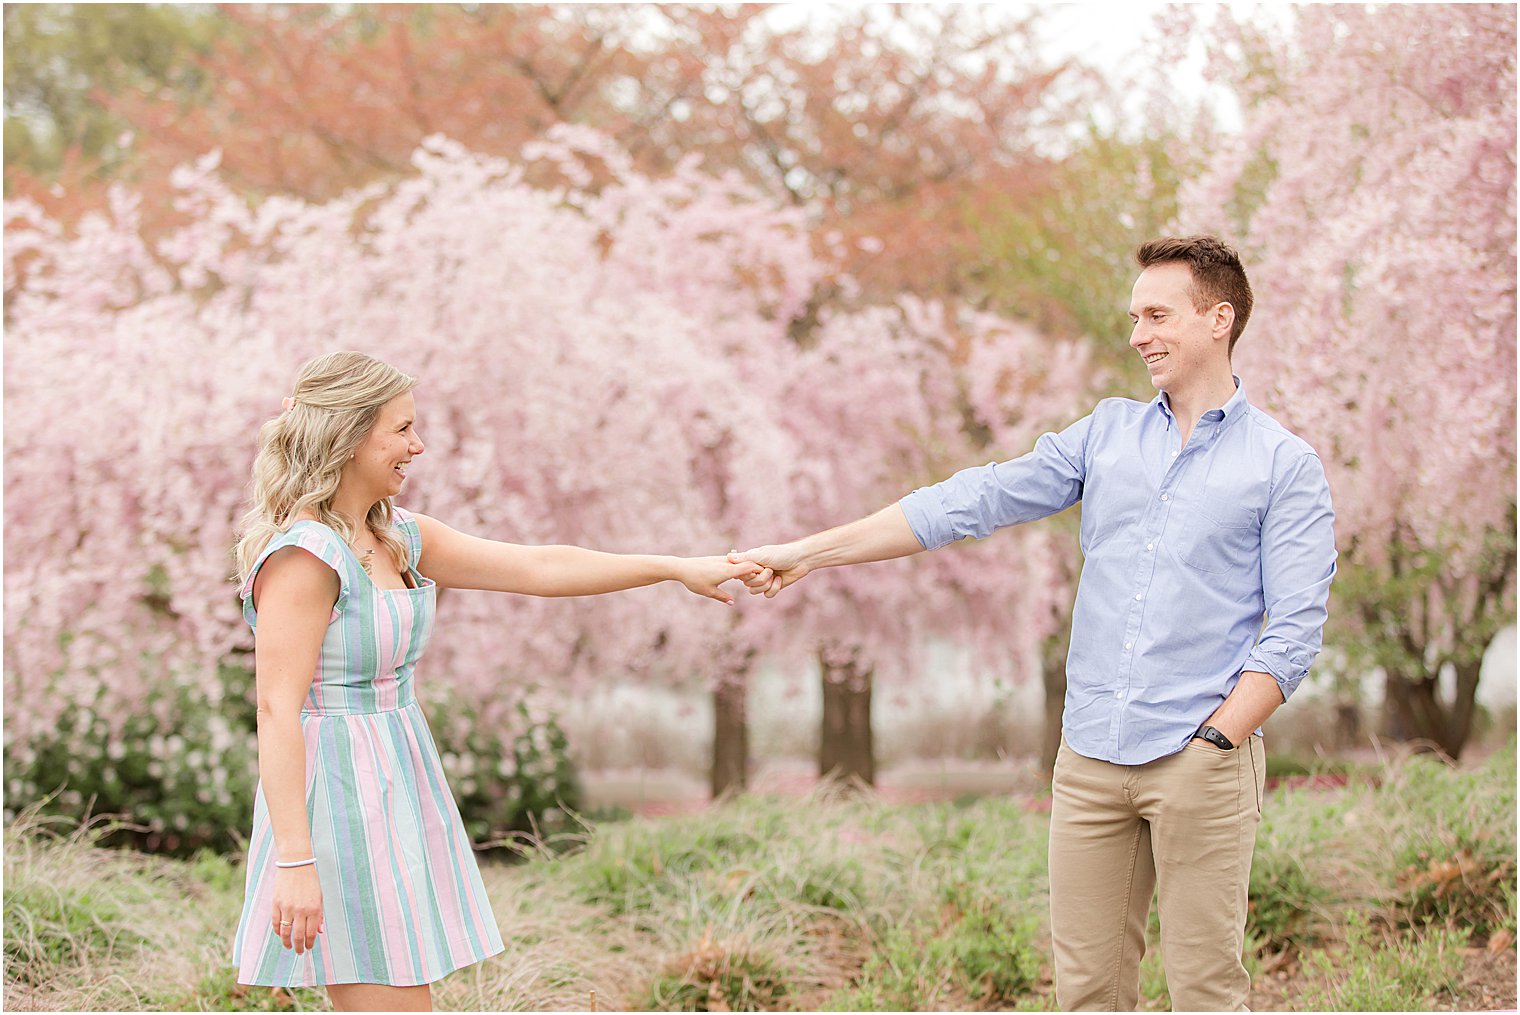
point(972, 503)
point(881, 536)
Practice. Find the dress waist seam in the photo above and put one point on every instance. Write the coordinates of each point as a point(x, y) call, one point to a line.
point(327, 713)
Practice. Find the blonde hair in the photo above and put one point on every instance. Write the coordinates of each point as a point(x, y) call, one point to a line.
point(302, 452)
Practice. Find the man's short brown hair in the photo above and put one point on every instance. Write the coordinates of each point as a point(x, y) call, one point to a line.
point(1217, 274)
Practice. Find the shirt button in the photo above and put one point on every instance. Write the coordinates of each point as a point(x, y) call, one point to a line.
point(1138, 597)
point(1174, 454)
point(1118, 694)
point(1150, 546)
point(1165, 497)
point(1128, 645)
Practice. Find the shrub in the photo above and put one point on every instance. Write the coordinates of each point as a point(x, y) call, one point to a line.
point(979, 949)
point(1308, 858)
point(908, 970)
point(719, 974)
point(181, 773)
point(1454, 844)
point(1283, 899)
point(517, 779)
point(996, 955)
point(1402, 973)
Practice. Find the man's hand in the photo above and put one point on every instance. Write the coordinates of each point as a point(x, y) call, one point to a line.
point(881, 536)
point(705, 575)
point(1255, 697)
point(780, 565)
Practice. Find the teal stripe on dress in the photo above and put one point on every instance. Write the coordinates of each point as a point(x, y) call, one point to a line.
point(444, 800)
point(399, 693)
point(425, 909)
point(416, 631)
point(338, 966)
point(441, 945)
point(354, 846)
point(263, 854)
point(401, 740)
point(367, 661)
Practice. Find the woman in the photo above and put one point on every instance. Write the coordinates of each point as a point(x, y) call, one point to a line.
point(360, 877)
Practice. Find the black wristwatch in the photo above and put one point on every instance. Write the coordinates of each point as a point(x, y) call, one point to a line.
point(1214, 737)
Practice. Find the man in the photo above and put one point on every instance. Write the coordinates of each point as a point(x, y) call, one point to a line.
point(1201, 516)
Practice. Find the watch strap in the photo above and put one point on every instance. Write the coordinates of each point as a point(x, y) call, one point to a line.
point(1215, 737)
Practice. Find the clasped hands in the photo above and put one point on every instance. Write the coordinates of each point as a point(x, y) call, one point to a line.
point(779, 566)
point(765, 570)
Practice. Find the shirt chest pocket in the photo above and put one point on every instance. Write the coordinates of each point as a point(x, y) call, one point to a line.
point(1218, 536)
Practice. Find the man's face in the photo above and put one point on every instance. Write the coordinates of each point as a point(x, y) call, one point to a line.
point(1178, 343)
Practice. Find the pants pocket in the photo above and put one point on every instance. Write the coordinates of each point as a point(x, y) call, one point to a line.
point(1258, 754)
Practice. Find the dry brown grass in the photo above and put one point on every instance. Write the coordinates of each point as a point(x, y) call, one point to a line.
point(775, 902)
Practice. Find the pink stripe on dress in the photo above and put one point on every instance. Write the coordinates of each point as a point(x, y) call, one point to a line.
point(378, 838)
point(261, 936)
point(441, 837)
point(385, 650)
point(440, 845)
point(406, 882)
point(321, 954)
point(261, 903)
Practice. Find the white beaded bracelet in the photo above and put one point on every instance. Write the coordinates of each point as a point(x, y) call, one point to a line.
point(295, 863)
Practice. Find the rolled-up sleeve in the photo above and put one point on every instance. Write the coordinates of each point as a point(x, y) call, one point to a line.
point(976, 502)
point(1297, 566)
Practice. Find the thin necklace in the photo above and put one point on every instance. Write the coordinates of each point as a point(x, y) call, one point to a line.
point(365, 556)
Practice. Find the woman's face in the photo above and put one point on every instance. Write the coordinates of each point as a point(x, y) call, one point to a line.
point(379, 465)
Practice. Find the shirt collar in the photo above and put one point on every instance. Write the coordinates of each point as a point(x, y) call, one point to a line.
point(1229, 410)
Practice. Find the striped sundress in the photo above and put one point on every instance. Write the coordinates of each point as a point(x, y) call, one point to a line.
point(402, 899)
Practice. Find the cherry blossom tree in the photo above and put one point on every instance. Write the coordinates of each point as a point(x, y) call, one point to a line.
point(883, 400)
point(900, 124)
point(607, 358)
point(1373, 195)
point(576, 386)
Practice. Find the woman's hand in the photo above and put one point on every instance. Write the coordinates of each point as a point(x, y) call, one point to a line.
point(703, 575)
point(297, 917)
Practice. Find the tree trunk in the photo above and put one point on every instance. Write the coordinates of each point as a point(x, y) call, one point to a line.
point(845, 746)
point(1348, 723)
point(1053, 676)
point(730, 757)
point(1413, 709)
point(1459, 723)
point(1398, 715)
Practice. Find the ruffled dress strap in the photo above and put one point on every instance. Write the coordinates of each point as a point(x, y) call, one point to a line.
point(316, 539)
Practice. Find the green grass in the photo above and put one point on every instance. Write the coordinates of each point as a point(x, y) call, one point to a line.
point(1452, 858)
point(1376, 972)
point(59, 927)
point(834, 902)
point(1284, 765)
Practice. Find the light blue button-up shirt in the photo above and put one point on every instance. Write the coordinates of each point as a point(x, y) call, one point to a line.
point(1186, 550)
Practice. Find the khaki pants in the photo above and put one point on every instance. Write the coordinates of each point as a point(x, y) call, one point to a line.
point(1183, 826)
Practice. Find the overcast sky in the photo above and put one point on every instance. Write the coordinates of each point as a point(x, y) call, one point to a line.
point(1119, 37)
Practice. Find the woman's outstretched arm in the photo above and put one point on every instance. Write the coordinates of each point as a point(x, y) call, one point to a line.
point(458, 561)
